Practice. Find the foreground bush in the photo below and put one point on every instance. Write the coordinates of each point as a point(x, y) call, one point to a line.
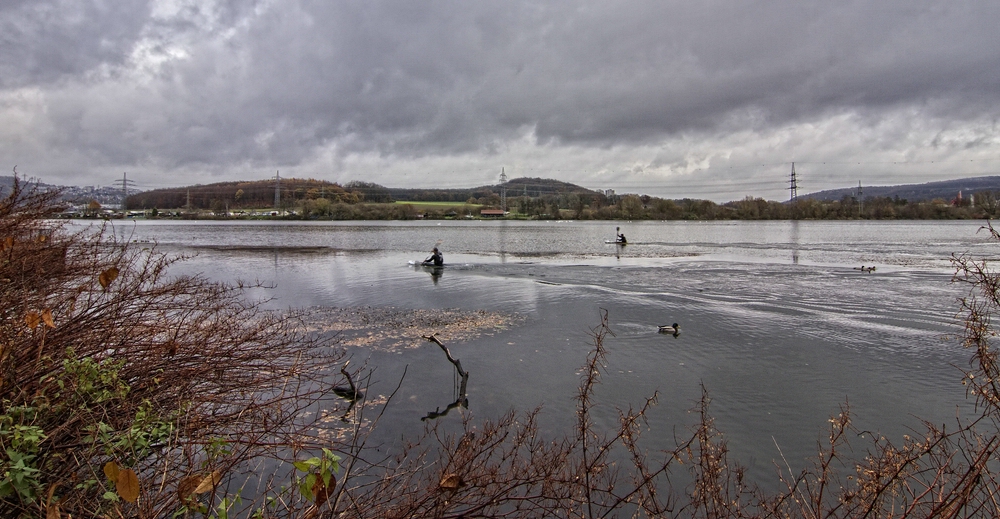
point(128, 392)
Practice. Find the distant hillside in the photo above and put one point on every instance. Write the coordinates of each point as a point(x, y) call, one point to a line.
point(106, 196)
point(945, 189)
point(7, 181)
point(524, 186)
point(260, 193)
point(535, 187)
point(239, 194)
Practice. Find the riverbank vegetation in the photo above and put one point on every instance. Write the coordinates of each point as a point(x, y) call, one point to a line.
point(129, 392)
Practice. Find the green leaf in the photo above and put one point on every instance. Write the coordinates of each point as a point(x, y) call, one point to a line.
point(306, 487)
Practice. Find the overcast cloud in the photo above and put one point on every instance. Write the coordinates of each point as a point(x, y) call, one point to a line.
point(668, 98)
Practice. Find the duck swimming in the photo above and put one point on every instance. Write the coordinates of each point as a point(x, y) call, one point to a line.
point(674, 329)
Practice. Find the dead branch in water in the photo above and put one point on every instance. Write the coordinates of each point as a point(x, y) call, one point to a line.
point(457, 363)
point(462, 400)
point(351, 392)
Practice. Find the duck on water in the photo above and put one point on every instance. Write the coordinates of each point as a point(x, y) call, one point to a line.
point(674, 329)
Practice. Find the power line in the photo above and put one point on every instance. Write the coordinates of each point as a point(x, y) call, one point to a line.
point(503, 190)
point(793, 187)
point(277, 189)
point(124, 183)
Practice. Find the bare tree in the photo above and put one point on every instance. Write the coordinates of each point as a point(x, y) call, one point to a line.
point(130, 391)
point(987, 201)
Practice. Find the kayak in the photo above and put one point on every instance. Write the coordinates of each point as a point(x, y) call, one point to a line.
point(416, 263)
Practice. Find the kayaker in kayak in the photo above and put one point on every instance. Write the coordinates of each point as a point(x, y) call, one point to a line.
point(436, 258)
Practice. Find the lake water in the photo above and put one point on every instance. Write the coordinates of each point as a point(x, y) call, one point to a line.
point(777, 322)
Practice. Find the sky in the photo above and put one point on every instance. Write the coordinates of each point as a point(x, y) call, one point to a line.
point(676, 99)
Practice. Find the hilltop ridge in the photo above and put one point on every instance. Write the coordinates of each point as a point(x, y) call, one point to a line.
point(943, 189)
point(261, 192)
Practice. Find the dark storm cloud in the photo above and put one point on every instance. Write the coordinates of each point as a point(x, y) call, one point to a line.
point(229, 86)
point(448, 75)
point(45, 41)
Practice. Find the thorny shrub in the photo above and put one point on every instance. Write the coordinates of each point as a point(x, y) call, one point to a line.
point(130, 392)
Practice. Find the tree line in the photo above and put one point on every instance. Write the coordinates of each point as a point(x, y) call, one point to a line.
point(533, 199)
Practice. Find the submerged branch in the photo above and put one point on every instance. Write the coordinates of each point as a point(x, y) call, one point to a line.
point(462, 400)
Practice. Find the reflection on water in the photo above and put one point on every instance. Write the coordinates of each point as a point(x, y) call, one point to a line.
point(778, 325)
point(461, 401)
point(461, 383)
point(434, 271)
point(907, 244)
point(794, 239)
point(502, 241)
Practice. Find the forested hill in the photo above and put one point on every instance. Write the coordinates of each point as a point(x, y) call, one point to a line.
point(945, 190)
point(258, 193)
point(524, 186)
point(261, 193)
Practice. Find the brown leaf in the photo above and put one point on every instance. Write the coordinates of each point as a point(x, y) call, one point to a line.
point(127, 485)
point(451, 482)
point(208, 482)
point(32, 319)
point(108, 276)
point(186, 487)
point(321, 490)
point(111, 470)
point(8, 243)
point(47, 317)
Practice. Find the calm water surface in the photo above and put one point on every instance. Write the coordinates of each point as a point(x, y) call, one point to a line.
point(777, 323)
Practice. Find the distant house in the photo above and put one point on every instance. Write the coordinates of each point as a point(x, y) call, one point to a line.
point(491, 213)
